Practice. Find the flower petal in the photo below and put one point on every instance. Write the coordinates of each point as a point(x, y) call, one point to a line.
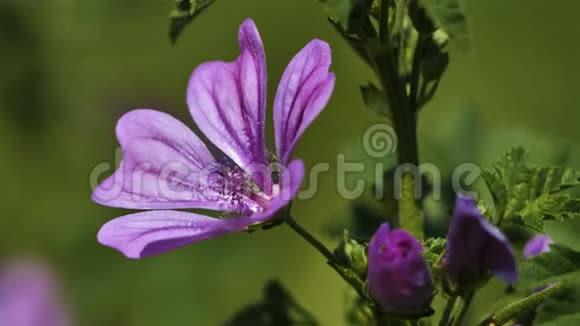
point(166, 166)
point(537, 245)
point(474, 246)
point(303, 92)
point(153, 232)
point(378, 240)
point(499, 257)
point(227, 100)
point(290, 181)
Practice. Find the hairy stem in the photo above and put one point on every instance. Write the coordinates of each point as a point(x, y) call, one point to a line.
point(345, 272)
point(403, 118)
point(402, 109)
point(309, 238)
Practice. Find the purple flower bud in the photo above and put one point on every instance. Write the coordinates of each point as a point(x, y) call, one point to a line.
point(398, 276)
point(475, 246)
point(536, 245)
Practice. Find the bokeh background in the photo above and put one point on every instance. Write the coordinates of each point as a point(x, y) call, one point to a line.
point(70, 69)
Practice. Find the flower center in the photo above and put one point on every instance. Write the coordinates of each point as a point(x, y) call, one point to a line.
point(264, 199)
point(233, 184)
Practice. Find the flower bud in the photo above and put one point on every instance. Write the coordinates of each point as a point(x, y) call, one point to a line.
point(536, 245)
point(475, 246)
point(399, 278)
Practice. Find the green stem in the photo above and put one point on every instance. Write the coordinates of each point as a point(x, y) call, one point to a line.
point(403, 118)
point(384, 22)
point(402, 108)
point(408, 207)
point(309, 238)
point(345, 272)
point(406, 132)
point(464, 306)
point(447, 311)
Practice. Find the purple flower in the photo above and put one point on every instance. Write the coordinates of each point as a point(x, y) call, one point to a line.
point(475, 246)
point(28, 296)
point(166, 166)
point(398, 278)
point(536, 245)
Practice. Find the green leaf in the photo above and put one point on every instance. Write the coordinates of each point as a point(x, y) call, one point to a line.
point(352, 254)
point(375, 100)
point(448, 15)
point(529, 194)
point(350, 261)
point(434, 248)
point(558, 207)
point(504, 176)
point(183, 14)
point(434, 62)
point(560, 265)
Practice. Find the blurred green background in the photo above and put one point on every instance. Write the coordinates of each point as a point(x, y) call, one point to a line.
point(71, 68)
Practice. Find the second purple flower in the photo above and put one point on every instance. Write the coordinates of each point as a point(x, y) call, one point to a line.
point(475, 246)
